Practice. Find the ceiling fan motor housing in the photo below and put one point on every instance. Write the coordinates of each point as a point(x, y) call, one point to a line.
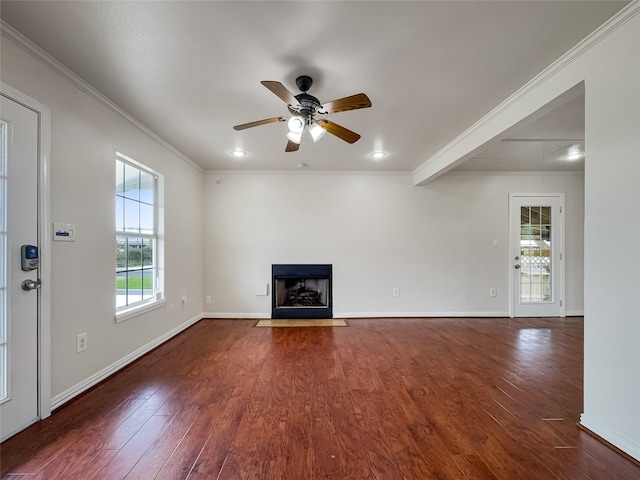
point(309, 105)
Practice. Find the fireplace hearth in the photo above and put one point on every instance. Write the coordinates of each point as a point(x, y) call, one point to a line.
point(301, 291)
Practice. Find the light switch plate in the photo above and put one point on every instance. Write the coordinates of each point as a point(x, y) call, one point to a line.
point(64, 232)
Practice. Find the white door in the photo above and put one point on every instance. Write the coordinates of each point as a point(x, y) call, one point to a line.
point(537, 244)
point(18, 307)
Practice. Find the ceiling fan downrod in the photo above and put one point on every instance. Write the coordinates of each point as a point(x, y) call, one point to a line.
point(304, 83)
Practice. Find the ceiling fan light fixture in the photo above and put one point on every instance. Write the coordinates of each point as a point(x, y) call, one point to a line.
point(316, 131)
point(295, 137)
point(296, 125)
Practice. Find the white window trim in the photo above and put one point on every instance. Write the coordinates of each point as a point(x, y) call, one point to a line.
point(139, 309)
point(128, 312)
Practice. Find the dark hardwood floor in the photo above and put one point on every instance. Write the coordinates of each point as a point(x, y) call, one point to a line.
point(384, 399)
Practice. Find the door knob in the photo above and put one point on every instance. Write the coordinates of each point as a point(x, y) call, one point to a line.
point(516, 266)
point(30, 285)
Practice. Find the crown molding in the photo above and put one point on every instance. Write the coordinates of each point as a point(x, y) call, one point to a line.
point(515, 172)
point(11, 34)
point(421, 174)
point(309, 172)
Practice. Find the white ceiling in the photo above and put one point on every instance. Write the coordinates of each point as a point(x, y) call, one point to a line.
point(538, 146)
point(190, 71)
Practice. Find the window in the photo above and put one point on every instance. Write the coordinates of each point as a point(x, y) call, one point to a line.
point(137, 246)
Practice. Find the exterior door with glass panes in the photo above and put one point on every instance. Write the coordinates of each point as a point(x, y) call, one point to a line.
point(536, 251)
point(19, 284)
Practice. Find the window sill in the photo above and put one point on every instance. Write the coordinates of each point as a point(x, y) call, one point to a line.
point(139, 310)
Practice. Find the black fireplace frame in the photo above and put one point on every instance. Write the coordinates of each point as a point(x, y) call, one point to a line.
point(302, 271)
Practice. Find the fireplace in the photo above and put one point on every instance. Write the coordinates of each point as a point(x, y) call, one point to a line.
point(301, 291)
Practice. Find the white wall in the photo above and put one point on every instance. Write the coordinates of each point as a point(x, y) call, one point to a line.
point(434, 243)
point(612, 239)
point(85, 136)
point(608, 62)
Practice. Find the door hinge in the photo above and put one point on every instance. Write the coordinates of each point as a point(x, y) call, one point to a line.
point(560, 302)
point(560, 256)
point(560, 209)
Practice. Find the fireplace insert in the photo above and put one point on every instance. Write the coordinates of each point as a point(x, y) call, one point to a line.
point(301, 291)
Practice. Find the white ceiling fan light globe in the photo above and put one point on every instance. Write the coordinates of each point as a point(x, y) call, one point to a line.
point(316, 131)
point(295, 137)
point(296, 125)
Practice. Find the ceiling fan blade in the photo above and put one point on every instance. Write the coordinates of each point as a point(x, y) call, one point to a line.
point(354, 102)
point(281, 91)
point(292, 147)
point(339, 131)
point(259, 122)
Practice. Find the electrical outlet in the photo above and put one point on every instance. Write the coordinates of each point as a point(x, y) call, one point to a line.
point(207, 300)
point(183, 300)
point(493, 292)
point(396, 292)
point(81, 342)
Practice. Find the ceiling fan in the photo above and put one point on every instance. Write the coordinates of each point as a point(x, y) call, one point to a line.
point(307, 112)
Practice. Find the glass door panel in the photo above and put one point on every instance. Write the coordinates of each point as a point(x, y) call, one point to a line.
point(3, 264)
point(535, 254)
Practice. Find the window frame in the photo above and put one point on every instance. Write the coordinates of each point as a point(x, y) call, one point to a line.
point(157, 299)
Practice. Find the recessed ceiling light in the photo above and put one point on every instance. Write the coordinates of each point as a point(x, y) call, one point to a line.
point(573, 156)
point(378, 155)
point(238, 153)
point(573, 153)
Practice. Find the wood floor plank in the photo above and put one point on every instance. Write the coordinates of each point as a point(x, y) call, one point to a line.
point(180, 464)
point(126, 458)
point(472, 466)
point(404, 398)
point(240, 459)
point(153, 459)
point(28, 455)
point(81, 460)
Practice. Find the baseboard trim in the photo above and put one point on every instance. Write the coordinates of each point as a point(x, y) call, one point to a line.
point(235, 316)
point(615, 441)
point(98, 377)
point(574, 313)
point(228, 315)
point(418, 314)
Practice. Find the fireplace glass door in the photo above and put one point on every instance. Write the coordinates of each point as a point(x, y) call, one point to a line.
point(302, 293)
